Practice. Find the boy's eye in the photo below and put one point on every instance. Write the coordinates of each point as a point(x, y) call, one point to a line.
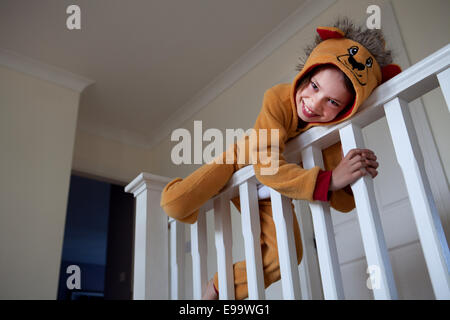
point(334, 103)
point(313, 85)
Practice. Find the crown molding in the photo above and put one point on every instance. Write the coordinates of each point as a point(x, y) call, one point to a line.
point(111, 133)
point(43, 71)
point(301, 17)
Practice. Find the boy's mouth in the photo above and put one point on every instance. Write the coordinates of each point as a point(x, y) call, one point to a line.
point(307, 112)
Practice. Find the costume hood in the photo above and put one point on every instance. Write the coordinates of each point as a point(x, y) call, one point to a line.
point(354, 60)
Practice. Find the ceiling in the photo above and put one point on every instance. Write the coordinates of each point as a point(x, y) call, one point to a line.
point(147, 58)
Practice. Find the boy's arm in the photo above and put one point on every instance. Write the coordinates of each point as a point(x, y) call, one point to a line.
point(341, 200)
point(274, 171)
point(291, 179)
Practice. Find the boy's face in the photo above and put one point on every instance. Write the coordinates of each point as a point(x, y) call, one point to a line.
point(323, 97)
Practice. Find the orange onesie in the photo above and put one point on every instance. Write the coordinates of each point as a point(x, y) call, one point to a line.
point(181, 198)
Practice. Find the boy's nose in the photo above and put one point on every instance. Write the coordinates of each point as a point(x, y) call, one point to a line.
point(317, 105)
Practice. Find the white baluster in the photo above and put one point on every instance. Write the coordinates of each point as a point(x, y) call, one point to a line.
point(444, 82)
point(199, 255)
point(309, 271)
point(177, 244)
point(252, 231)
point(151, 244)
point(427, 219)
point(323, 228)
point(287, 254)
point(377, 255)
point(222, 221)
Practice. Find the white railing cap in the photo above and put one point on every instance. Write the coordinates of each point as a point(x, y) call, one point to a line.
point(148, 180)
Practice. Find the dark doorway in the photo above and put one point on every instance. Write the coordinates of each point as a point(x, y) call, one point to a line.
point(98, 240)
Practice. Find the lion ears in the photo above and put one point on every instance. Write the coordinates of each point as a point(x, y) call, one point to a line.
point(389, 71)
point(330, 33)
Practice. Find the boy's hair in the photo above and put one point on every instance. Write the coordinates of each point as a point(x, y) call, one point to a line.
point(372, 39)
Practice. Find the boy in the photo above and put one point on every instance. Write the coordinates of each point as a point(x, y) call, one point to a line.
point(342, 69)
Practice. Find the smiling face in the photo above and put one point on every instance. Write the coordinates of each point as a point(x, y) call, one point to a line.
point(323, 96)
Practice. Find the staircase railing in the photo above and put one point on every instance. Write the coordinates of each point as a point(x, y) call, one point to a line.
point(391, 99)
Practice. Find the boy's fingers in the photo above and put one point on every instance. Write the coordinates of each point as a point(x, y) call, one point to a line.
point(350, 154)
point(359, 165)
point(367, 154)
point(365, 161)
point(355, 159)
point(353, 153)
point(372, 163)
point(373, 172)
point(358, 173)
point(364, 153)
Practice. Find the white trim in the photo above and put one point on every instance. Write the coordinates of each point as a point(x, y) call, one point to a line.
point(44, 71)
point(444, 82)
point(286, 29)
point(146, 181)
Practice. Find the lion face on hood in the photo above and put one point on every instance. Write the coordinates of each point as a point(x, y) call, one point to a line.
point(358, 64)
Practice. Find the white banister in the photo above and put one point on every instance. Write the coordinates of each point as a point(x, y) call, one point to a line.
point(325, 239)
point(287, 254)
point(222, 221)
point(444, 82)
point(151, 259)
point(199, 255)
point(151, 244)
point(251, 231)
point(177, 254)
point(427, 218)
point(309, 271)
point(377, 255)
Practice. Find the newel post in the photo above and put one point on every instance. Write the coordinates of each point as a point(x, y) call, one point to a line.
point(151, 245)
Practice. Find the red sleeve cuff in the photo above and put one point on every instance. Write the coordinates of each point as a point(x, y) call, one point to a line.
point(322, 186)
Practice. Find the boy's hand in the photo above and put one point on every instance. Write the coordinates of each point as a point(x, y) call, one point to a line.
point(357, 163)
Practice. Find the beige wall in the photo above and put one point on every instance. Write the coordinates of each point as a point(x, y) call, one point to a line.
point(37, 131)
point(425, 28)
point(101, 157)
